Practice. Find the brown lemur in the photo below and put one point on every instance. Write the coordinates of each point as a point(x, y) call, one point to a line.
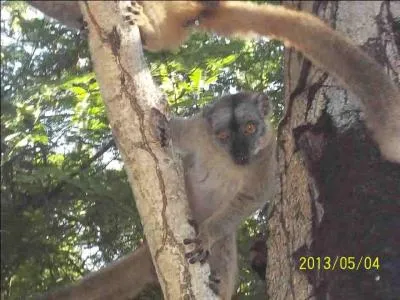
point(166, 24)
point(229, 174)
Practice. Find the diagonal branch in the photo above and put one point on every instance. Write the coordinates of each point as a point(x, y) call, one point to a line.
point(129, 94)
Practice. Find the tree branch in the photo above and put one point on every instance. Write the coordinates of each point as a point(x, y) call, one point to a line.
point(129, 93)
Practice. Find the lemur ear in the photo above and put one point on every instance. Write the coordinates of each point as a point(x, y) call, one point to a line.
point(207, 113)
point(262, 103)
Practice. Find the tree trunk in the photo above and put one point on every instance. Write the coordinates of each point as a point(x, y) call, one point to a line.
point(334, 229)
point(129, 93)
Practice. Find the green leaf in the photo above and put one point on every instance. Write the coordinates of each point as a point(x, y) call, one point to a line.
point(195, 77)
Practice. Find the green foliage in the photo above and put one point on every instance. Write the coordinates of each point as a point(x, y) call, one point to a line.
point(67, 208)
point(209, 66)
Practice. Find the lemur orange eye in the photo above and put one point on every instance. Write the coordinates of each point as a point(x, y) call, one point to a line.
point(223, 135)
point(250, 128)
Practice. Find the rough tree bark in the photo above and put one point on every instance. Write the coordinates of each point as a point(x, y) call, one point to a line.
point(338, 197)
point(129, 93)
